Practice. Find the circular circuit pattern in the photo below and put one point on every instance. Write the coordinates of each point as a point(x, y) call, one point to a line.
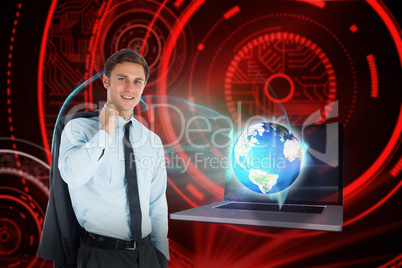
point(279, 67)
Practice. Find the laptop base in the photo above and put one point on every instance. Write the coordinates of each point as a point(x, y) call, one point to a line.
point(330, 220)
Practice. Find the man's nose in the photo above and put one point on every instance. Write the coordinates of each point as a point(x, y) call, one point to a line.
point(130, 87)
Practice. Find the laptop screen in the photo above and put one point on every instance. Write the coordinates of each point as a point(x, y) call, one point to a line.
point(320, 180)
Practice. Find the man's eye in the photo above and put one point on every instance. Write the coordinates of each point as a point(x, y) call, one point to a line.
point(122, 79)
point(138, 82)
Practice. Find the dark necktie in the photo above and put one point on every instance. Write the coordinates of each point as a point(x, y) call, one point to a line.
point(132, 185)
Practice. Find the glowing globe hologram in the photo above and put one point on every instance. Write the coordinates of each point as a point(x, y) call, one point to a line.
point(267, 158)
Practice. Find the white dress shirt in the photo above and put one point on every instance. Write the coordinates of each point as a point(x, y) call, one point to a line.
point(97, 186)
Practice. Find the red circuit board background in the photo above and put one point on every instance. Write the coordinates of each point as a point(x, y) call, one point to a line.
point(208, 53)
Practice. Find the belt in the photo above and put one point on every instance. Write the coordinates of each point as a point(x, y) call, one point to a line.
point(106, 242)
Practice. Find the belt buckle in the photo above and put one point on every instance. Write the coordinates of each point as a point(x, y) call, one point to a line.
point(134, 246)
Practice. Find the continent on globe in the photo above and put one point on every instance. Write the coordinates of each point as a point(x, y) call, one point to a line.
point(292, 150)
point(267, 158)
point(263, 180)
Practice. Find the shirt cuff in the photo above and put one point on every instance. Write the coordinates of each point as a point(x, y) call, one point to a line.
point(104, 140)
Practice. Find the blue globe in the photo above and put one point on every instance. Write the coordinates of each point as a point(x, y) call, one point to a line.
point(267, 158)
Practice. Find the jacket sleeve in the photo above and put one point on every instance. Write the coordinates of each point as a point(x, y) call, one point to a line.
point(61, 231)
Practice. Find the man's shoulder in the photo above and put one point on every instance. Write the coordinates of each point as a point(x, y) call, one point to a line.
point(87, 119)
point(86, 116)
point(91, 114)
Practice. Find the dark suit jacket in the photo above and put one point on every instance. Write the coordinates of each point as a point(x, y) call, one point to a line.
point(61, 231)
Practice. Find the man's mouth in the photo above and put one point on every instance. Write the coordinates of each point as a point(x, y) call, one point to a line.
point(127, 97)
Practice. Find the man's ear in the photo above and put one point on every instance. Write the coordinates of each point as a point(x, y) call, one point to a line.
point(105, 81)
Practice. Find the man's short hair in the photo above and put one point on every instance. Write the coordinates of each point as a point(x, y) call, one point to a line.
point(125, 55)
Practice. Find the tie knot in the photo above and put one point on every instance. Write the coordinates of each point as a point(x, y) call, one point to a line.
point(127, 125)
point(127, 132)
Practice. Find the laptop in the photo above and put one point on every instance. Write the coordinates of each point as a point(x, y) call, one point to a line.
point(313, 202)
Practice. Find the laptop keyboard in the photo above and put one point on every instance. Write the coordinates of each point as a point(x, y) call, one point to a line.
point(273, 207)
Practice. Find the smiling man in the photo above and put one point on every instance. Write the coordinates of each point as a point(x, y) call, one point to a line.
point(119, 204)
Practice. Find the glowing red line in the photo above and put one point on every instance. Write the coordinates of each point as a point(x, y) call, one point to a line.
point(393, 261)
point(195, 192)
point(151, 25)
point(335, 244)
point(178, 3)
point(231, 12)
point(91, 47)
point(356, 185)
point(368, 211)
point(397, 168)
point(150, 114)
point(374, 76)
point(201, 47)
point(177, 29)
point(181, 193)
point(95, 38)
point(390, 24)
point(15, 264)
point(289, 233)
point(40, 81)
point(100, 11)
point(320, 4)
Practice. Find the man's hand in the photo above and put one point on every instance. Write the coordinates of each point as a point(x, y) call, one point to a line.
point(108, 118)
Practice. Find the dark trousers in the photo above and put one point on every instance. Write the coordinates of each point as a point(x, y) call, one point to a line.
point(144, 257)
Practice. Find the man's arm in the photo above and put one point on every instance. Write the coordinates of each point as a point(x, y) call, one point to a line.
point(78, 158)
point(80, 154)
point(158, 209)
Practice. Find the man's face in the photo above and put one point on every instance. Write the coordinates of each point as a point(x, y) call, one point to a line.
point(125, 86)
